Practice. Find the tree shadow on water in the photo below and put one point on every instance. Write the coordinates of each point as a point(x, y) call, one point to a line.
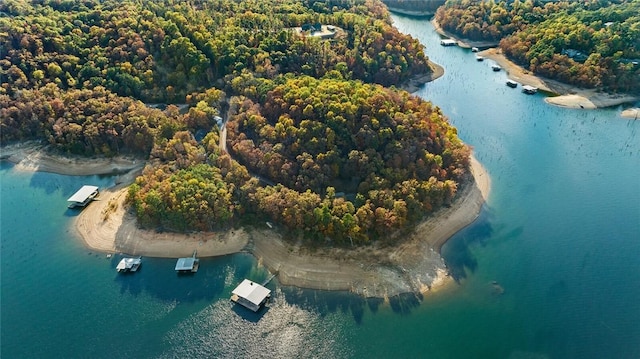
point(457, 253)
point(404, 303)
point(327, 302)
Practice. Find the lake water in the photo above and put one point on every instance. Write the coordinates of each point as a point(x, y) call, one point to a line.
point(560, 234)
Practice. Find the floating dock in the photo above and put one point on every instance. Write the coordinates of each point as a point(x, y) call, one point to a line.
point(448, 42)
point(84, 195)
point(250, 295)
point(127, 265)
point(188, 264)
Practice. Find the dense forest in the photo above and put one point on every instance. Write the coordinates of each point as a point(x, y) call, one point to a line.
point(318, 139)
point(335, 158)
point(592, 44)
point(158, 51)
point(149, 51)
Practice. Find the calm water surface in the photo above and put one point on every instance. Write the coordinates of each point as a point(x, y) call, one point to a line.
point(560, 234)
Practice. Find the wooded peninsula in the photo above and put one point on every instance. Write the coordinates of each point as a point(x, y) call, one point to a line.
point(282, 111)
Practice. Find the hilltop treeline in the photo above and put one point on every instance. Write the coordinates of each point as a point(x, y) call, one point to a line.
point(316, 141)
point(592, 44)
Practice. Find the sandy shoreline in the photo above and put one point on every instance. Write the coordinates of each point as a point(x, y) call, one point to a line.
point(413, 266)
point(568, 96)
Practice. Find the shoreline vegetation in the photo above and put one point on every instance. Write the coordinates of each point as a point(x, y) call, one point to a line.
point(413, 266)
point(568, 96)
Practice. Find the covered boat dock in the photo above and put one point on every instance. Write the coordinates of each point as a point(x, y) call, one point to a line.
point(448, 42)
point(129, 265)
point(83, 196)
point(188, 264)
point(250, 295)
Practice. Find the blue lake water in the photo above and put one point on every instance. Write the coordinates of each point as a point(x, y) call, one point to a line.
point(560, 233)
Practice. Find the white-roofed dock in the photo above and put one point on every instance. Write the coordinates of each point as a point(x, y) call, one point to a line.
point(129, 265)
point(188, 264)
point(83, 196)
point(448, 42)
point(250, 295)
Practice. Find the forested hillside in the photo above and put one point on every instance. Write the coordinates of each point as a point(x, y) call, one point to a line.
point(594, 44)
point(317, 142)
point(158, 51)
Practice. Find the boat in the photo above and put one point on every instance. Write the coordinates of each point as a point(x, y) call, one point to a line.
point(529, 90)
point(512, 84)
point(474, 49)
point(188, 264)
point(129, 265)
point(479, 58)
point(496, 67)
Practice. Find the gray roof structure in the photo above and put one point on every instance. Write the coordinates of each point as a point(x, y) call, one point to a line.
point(185, 264)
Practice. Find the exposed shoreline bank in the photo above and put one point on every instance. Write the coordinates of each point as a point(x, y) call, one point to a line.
point(416, 82)
point(569, 96)
point(413, 266)
point(32, 156)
